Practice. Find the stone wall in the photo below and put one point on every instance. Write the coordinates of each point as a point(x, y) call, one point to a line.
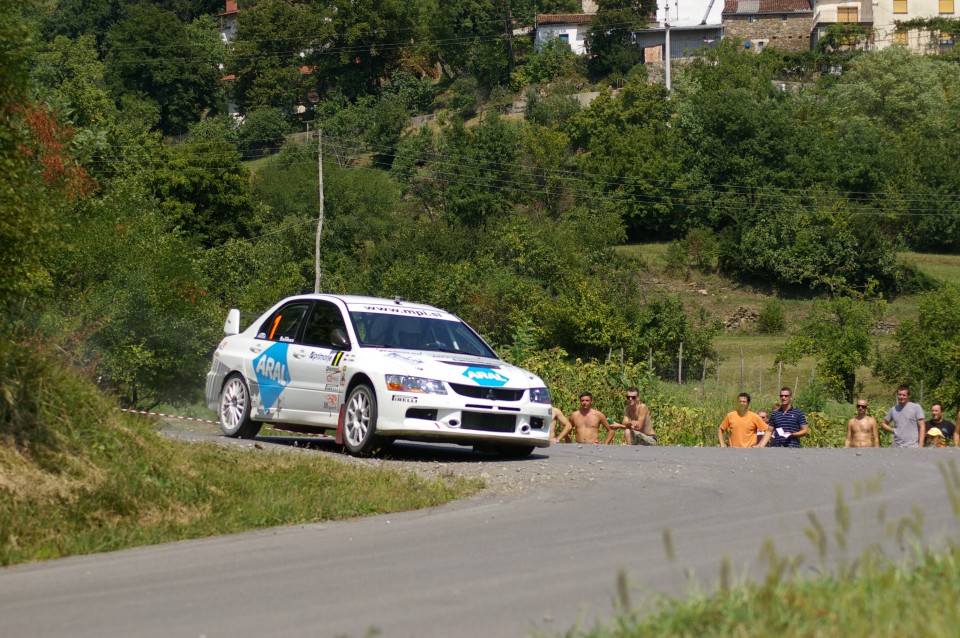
point(792, 34)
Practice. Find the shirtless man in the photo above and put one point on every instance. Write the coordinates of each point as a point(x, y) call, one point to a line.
point(587, 421)
point(558, 416)
point(862, 429)
point(636, 426)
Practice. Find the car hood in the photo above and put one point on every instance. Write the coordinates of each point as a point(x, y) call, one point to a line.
point(457, 368)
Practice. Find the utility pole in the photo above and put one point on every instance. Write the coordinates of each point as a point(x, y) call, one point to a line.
point(666, 44)
point(316, 251)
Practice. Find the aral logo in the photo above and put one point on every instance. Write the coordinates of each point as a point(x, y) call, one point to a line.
point(272, 374)
point(485, 376)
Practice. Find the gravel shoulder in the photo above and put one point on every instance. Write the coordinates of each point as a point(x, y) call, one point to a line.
point(502, 477)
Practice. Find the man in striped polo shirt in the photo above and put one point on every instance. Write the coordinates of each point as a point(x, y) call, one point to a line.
point(787, 423)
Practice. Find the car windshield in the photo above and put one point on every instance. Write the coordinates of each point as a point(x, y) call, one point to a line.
point(378, 330)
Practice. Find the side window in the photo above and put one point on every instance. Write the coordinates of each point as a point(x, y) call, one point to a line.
point(324, 319)
point(285, 323)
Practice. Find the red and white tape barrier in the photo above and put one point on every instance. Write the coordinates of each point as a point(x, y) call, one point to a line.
point(168, 416)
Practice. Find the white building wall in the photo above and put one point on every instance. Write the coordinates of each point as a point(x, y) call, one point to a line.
point(689, 13)
point(884, 18)
point(576, 35)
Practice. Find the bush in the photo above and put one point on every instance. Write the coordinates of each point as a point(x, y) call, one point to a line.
point(262, 130)
point(773, 318)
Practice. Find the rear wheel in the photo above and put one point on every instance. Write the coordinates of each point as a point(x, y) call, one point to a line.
point(234, 409)
point(360, 421)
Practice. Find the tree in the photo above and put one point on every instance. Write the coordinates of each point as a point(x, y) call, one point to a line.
point(271, 36)
point(837, 333)
point(927, 348)
point(142, 327)
point(370, 39)
point(152, 54)
point(26, 225)
point(203, 191)
point(611, 34)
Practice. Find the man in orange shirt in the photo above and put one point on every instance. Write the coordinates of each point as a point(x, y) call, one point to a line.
point(743, 425)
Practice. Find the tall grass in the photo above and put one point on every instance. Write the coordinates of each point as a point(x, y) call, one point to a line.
point(78, 477)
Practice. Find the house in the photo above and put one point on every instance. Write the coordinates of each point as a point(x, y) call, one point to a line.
point(830, 12)
point(228, 21)
point(693, 24)
point(571, 28)
point(784, 24)
point(886, 13)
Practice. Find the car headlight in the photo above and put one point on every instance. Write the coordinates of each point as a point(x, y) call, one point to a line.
point(539, 395)
point(403, 383)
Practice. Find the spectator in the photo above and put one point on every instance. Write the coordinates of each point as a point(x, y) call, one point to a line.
point(765, 417)
point(908, 419)
point(744, 425)
point(558, 417)
point(862, 429)
point(636, 425)
point(587, 421)
point(939, 432)
point(787, 423)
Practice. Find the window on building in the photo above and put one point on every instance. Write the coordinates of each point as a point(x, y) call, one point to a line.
point(565, 37)
point(946, 6)
point(900, 37)
point(899, 6)
point(848, 14)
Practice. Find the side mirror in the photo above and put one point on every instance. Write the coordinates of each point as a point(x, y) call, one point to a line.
point(339, 339)
point(232, 325)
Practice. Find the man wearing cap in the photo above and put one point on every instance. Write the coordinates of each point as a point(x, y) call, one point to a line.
point(909, 428)
point(743, 424)
point(862, 429)
point(939, 432)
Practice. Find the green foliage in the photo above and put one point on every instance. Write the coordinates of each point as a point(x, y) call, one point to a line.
point(811, 242)
point(155, 56)
point(553, 60)
point(837, 333)
point(464, 97)
point(843, 35)
point(611, 46)
point(141, 325)
point(26, 229)
point(927, 348)
point(267, 75)
point(262, 131)
point(203, 191)
point(551, 110)
point(773, 318)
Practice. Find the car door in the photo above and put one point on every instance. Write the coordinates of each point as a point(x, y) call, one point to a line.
point(269, 371)
point(316, 367)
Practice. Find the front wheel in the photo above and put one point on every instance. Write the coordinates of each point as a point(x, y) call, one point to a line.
point(514, 451)
point(360, 421)
point(234, 410)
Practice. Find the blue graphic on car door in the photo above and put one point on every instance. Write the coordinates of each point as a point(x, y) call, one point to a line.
point(485, 377)
point(273, 374)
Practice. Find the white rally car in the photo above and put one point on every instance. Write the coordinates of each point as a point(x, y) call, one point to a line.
point(374, 370)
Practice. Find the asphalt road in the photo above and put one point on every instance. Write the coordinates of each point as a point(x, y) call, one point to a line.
point(543, 561)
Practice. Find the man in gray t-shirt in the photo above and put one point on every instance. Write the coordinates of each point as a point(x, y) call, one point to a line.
point(908, 420)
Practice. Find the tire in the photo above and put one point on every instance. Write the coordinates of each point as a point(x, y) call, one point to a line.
point(514, 451)
point(234, 409)
point(360, 421)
